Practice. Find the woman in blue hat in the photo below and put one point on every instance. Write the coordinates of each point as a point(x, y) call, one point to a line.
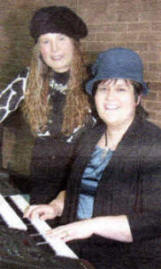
point(111, 213)
point(51, 97)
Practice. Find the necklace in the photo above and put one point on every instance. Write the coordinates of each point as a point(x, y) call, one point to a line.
point(109, 144)
point(105, 149)
point(106, 146)
point(58, 86)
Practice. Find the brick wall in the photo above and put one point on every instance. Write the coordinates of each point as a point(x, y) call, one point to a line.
point(132, 24)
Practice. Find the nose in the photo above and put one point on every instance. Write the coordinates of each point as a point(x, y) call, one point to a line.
point(109, 94)
point(54, 45)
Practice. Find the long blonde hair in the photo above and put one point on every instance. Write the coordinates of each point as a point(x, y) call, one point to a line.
point(36, 106)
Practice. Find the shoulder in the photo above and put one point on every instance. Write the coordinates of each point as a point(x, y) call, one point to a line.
point(24, 72)
point(150, 143)
point(80, 131)
point(91, 133)
point(86, 144)
point(21, 79)
point(150, 130)
point(18, 83)
point(22, 75)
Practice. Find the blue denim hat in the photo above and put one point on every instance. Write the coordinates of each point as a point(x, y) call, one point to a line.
point(117, 63)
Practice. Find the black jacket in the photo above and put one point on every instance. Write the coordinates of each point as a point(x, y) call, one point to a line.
point(130, 185)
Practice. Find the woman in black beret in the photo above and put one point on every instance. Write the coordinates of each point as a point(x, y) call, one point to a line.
point(51, 96)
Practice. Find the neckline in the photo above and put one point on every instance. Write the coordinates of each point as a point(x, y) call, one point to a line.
point(61, 78)
point(104, 149)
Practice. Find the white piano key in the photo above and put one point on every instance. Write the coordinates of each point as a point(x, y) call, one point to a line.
point(9, 216)
point(59, 246)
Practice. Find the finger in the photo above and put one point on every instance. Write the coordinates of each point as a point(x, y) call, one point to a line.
point(55, 232)
point(58, 233)
point(37, 213)
point(28, 211)
point(46, 216)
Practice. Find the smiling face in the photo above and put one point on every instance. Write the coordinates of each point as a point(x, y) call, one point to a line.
point(115, 102)
point(57, 51)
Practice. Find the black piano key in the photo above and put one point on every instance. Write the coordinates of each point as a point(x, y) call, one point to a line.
point(12, 204)
point(2, 222)
point(31, 230)
point(19, 245)
point(19, 213)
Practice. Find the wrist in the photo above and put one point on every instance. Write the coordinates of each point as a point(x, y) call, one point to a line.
point(57, 207)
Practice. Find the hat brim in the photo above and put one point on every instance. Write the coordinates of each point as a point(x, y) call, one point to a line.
point(90, 84)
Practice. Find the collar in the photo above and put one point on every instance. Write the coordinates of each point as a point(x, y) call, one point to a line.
point(59, 81)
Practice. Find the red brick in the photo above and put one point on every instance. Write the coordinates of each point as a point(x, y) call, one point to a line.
point(94, 4)
point(91, 15)
point(139, 27)
point(155, 46)
point(155, 86)
point(150, 15)
point(151, 96)
point(154, 67)
point(111, 36)
point(137, 46)
point(127, 15)
point(153, 106)
point(129, 36)
point(137, 5)
point(108, 27)
point(156, 26)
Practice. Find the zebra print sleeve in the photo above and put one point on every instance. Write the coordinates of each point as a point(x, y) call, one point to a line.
point(12, 96)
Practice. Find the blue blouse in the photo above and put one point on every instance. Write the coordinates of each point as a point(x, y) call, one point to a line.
point(90, 180)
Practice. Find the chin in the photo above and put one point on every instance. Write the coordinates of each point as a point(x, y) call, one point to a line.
point(111, 122)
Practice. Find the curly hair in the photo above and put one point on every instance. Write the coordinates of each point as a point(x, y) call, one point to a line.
point(36, 107)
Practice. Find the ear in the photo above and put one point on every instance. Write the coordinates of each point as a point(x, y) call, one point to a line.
point(138, 100)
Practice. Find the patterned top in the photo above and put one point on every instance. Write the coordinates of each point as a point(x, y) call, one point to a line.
point(13, 95)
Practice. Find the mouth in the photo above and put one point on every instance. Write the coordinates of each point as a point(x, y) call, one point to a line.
point(56, 58)
point(110, 107)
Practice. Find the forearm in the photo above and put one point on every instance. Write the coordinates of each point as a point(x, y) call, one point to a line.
point(11, 97)
point(113, 227)
point(58, 202)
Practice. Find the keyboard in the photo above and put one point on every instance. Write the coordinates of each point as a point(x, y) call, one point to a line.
point(10, 210)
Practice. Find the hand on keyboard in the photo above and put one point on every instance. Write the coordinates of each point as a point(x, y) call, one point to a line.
point(77, 230)
point(60, 248)
point(41, 211)
point(48, 211)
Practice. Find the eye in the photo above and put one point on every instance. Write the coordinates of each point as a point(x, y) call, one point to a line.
point(46, 41)
point(102, 89)
point(62, 37)
point(121, 90)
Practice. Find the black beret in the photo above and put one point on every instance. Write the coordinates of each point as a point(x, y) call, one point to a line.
point(57, 19)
